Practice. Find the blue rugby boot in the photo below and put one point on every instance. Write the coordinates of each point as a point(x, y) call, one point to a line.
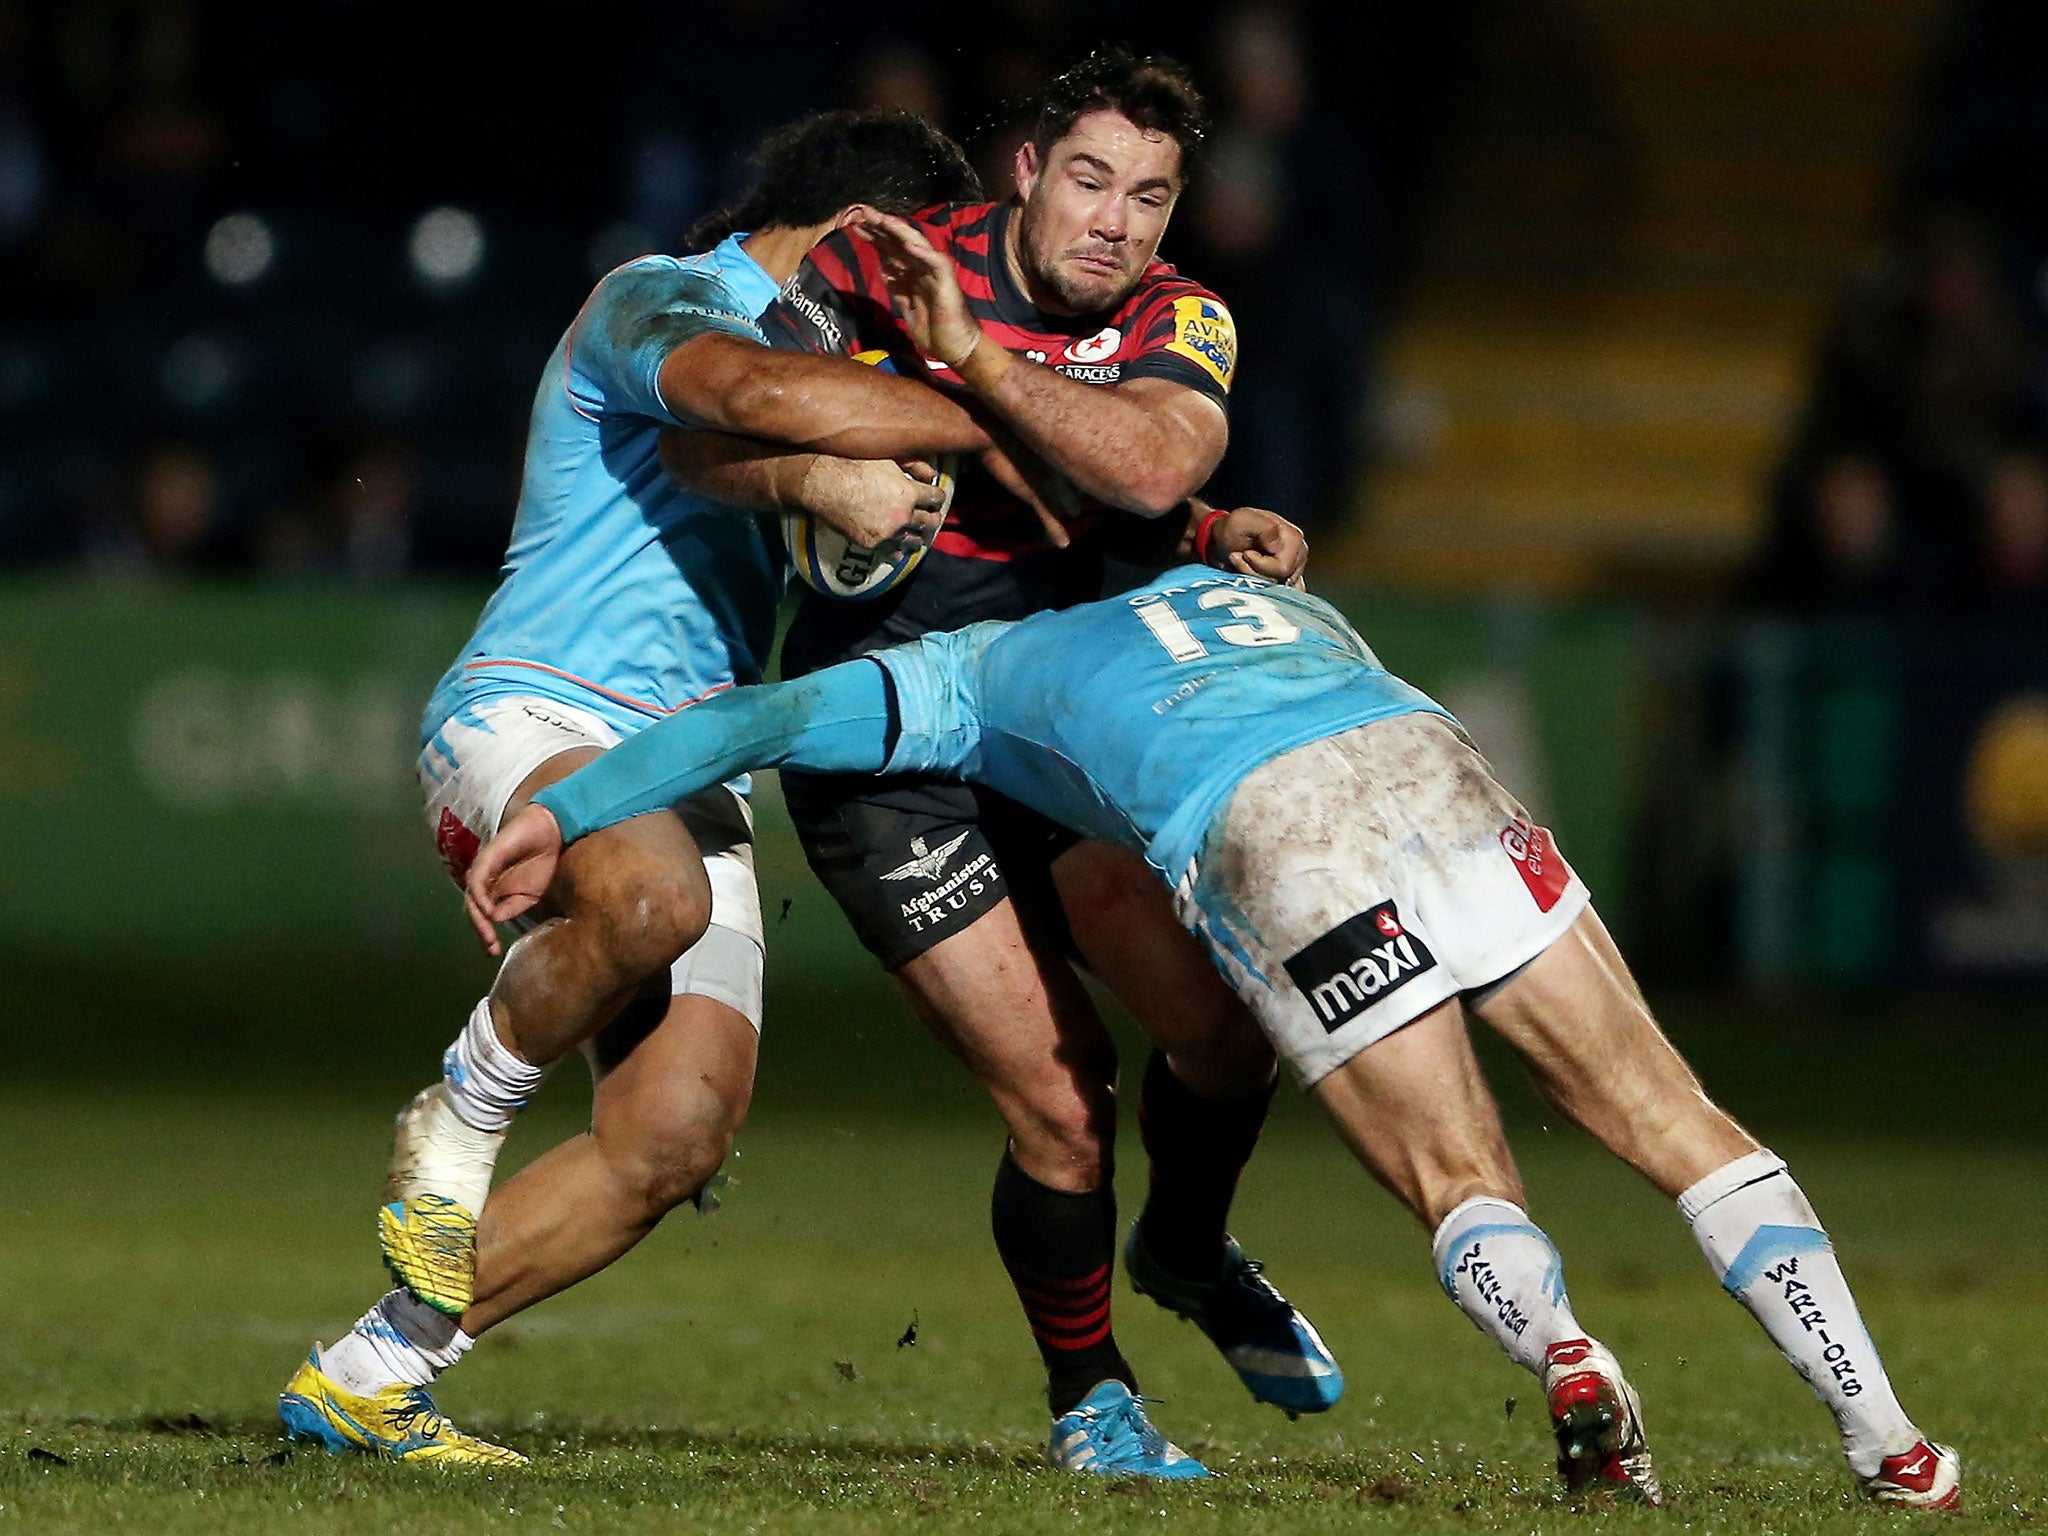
point(1107, 1433)
point(1275, 1351)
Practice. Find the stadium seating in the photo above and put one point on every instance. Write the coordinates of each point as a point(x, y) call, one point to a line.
point(1619, 287)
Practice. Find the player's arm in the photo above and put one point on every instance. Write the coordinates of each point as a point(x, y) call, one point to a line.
point(821, 404)
point(842, 719)
point(831, 308)
point(865, 499)
point(837, 720)
point(868, 500)
point(674, 346)
point(1144, 445)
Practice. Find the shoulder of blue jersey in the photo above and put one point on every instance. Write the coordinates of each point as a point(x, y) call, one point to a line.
point(674, 285)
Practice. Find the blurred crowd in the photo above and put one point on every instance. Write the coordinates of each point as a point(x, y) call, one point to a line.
point(277, 282)
point(1918, 479)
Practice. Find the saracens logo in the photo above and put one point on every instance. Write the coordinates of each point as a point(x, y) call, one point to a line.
point(1538, 862)
point(928, 863)
point(1093, 349)
point(1358, 963)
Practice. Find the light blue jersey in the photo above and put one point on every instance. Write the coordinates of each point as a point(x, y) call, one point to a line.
point(622, 593)
point(1131, 720)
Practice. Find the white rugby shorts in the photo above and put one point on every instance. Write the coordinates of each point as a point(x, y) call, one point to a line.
point(482, 754)
point(1351, 885)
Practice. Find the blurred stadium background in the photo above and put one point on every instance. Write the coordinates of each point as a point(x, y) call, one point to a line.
point(1664, 384)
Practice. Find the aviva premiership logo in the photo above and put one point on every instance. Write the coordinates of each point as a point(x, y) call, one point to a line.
point(927, 863)
point(1204, 333)
point(1357, 963)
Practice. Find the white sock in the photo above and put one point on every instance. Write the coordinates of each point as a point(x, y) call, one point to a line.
point(1770, 1253)
point(1507, 1275)
point(401, 1341)
point(487, 1083)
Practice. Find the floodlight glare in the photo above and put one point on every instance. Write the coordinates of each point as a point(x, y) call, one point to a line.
point(239, 249)
point(446, 245)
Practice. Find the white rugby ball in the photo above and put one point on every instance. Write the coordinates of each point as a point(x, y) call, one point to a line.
point(828, 561)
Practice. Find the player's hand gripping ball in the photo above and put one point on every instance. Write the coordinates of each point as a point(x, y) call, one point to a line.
point(828, 561)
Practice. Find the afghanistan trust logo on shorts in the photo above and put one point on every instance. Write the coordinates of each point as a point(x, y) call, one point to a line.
point(944, 893)
point(926, 863)
point(1357, 963)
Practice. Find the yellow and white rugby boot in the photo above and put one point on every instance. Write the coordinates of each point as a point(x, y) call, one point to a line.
point(400, 1422)
point(1598, 1422)
point(1929, 1476)
point(440, 1174)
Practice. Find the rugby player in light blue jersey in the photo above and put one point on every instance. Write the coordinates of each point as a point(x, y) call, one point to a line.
point(1354, 870)
point(625, 598)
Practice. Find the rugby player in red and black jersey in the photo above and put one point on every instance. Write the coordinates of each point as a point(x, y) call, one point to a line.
point(1139, 386)
point(1053, 316)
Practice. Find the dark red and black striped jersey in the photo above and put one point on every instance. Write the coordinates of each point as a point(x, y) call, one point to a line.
point(1168, 327)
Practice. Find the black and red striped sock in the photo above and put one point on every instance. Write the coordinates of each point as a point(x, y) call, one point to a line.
point(1198, 1147)
point(1058, 1248)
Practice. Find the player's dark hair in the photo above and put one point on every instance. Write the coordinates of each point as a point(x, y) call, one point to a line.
point(806, 171)
point(1153, 91)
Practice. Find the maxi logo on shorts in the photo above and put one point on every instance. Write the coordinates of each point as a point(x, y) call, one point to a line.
point(1357, 963)
point(943, 893)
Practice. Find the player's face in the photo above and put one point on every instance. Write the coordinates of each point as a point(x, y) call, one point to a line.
point(1095, 205)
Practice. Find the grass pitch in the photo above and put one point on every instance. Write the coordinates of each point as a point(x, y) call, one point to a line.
point(171, 1248)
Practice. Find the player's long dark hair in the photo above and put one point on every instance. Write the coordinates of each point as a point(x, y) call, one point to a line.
point(806, 171)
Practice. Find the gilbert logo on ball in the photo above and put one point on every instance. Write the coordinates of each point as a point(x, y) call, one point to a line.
point(827, 561)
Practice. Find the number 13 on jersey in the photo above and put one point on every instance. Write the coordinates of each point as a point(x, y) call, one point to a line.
point(1262, 622)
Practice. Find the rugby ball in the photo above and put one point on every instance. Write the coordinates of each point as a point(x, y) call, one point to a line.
point(827, 561)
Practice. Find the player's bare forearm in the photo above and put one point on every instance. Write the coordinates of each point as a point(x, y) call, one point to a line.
point(868, 500)
point(825, 404)
point(742, 472)
point(1145, 446)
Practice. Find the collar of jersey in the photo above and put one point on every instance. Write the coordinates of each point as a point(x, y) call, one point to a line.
point(746, 277)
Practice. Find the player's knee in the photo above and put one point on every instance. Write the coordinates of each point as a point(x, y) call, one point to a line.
point(650, 914)
point(1225, 1055)
point(670, 1167)
point(1066, 1145)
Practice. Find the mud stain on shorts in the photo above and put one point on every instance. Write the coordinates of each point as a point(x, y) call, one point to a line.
point(1371, 805)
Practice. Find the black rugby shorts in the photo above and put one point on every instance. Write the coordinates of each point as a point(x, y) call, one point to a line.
point(912, 860)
